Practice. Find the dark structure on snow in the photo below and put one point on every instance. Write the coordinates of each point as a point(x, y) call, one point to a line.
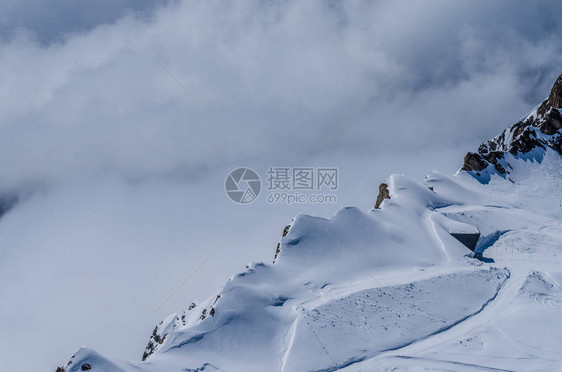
point(469, 240)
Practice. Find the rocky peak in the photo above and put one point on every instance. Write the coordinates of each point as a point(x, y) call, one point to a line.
point(549, 118)
point(555, 97)
point(541, 129)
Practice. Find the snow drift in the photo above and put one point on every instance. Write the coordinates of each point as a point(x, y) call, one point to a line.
point(392, 287)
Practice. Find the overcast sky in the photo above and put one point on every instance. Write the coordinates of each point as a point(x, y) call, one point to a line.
point(121, 171)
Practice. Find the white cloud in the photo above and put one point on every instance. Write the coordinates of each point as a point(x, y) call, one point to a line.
point(131, 169)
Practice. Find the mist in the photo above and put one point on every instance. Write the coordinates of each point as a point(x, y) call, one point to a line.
point(119, 126)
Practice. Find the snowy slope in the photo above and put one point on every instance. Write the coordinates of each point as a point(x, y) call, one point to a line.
point(391, 288)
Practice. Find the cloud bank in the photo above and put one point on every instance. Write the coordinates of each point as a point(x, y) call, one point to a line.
point(125, 170)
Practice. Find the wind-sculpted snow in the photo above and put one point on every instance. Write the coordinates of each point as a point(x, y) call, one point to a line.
point(391, 288)
point(356, 287)
point(326, 336)
point(520, 330)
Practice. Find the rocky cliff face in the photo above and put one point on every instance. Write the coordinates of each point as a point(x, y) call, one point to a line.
point(539, 130)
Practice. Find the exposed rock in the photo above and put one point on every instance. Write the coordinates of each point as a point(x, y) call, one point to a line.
point(85, 367)
point(150, 347)
point(383, 194)
point(555, 97)
point(277, 250)
point(155, 339)
point(284, 234)
point(552, 122)
point(494, 156)
point(523, 136)
point(67, 365)
point(473, 162)
point(500, 168)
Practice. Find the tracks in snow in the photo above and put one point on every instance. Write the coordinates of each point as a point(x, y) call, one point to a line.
point(462, 328)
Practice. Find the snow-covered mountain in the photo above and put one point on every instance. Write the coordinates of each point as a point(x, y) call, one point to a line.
point(397, 287)
point(528, 137)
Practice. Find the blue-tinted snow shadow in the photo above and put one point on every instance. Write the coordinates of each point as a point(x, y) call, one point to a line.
point(486, 242)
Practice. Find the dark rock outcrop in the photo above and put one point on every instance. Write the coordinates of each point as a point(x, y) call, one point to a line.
point(524, 136)
point(555, 97)
point(151, 347)
point(278, 248)
point(383, 194)
point(473, 162)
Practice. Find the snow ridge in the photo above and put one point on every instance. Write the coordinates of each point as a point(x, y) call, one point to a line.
point(392, 288)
